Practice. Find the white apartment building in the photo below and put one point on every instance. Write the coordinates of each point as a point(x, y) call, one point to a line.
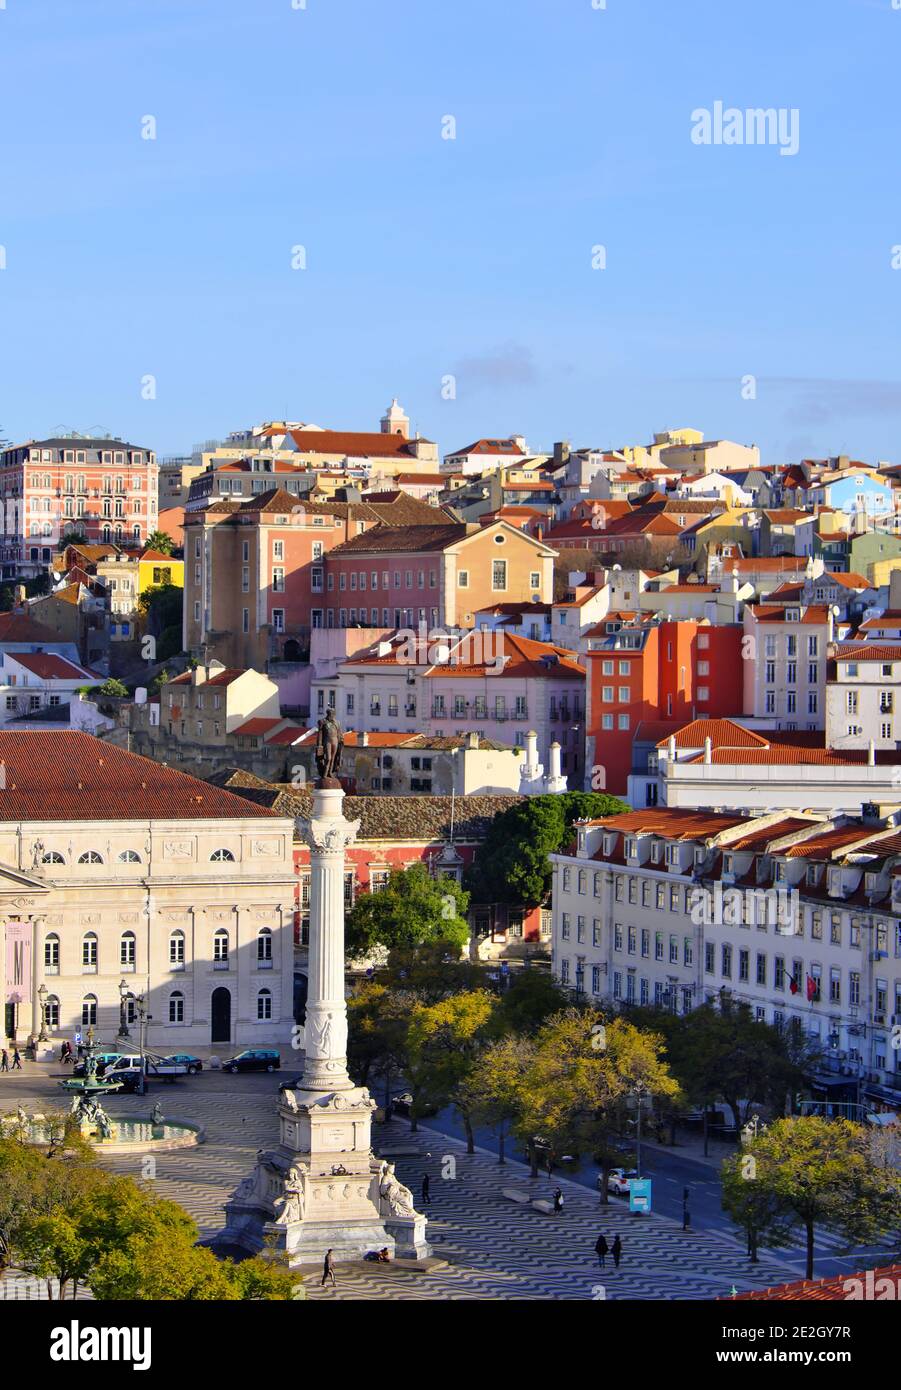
point(492, 683)
point(672, 907)
point(862, 696)
point(785, 663)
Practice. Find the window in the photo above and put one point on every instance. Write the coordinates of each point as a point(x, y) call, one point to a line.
point(220, 947)
point(176, 1007)
point(129, 856)
point(177, 950)
point(52, 856)
point(264, 1006)
point(264, 949)
point(51, 954)
point(89, 951)
point(222, 856)
point(90, 856)
point(88, 1011)
point(127, 950)
point(498, 575)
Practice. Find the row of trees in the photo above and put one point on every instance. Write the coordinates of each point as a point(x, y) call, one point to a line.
point(63, 1218)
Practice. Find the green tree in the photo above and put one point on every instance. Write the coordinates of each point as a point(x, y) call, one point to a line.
point(444, 1042)
point(378, 1018)
point(531, 997)
point(492, 1092)
point(512, 864)
point(114, 689)
point(160, 541)
point(813, 1172)
point(412, 909)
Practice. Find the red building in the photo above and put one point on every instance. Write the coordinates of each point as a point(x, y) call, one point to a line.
point(50, 488)
point(641, 671)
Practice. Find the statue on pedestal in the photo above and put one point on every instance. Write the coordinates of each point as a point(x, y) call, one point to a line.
point(397, 1198)
point(289, 1206)
point(329, 747)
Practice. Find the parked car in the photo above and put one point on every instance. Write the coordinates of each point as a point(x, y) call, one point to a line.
point(619, 1180)
point(254, 1059)
point(131, 1080)
point(104, 1060)
point(185, 1059)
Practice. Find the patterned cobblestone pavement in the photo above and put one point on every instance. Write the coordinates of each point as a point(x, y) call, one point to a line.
point(488, 1246)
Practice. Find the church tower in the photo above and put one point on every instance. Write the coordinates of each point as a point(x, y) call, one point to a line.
point(394, 421)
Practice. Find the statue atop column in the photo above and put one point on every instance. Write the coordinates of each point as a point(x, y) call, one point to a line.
point(329, 747)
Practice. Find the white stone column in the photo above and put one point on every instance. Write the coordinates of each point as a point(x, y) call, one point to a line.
point(328, 834)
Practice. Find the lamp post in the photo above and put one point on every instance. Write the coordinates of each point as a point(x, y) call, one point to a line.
point(639, 1092)
point(123, 1011)
point(143, 1019)
point(42, 997)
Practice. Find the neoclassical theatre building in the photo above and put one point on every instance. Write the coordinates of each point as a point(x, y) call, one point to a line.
point(126, 887)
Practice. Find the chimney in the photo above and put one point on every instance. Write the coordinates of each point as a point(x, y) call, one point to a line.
point(708, 749)
point(871, 754)
point(555, 782)
point(671, 748)
point(198, 675)
point(472, 739)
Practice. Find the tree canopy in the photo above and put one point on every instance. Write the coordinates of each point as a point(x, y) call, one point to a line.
point(411, 910)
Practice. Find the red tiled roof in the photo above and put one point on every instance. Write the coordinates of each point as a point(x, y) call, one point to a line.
point(851, 580)
point(224, 677)
point(381, 539)
point(675, 823)
point(823, 846)
point(834, 1288)
point(259, 725)
point(490, 446)
point(775, 613)
point(350, 443)
point(869, 651)
point(723, 733)
point(49, 666)
point(19, 627)
point(68, 776)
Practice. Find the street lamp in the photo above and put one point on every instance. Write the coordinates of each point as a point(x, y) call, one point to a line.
point(639, 1092)
point(42, 996)
point(123, 1011)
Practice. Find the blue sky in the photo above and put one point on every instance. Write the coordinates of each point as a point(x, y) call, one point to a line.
point(470, 257)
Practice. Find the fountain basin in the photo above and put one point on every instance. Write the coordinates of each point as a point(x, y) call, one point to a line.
point(132, 1134)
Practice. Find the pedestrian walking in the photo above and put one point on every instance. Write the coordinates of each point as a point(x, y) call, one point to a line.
point(17, 1060)
point(4, 1060)
point(328, 1270)
point(558, 1201)
point(617, 1249)
point(426, 1194)
point(602, 1247)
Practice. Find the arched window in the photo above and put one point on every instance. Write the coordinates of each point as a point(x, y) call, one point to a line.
point(89, 1011)
point(127, 950)
point(177, 950)
point(222, 856)
point(129, 856)
point(136, 532)
point(90, 856)
point(176, 1007)
point(51, 954)
point(106, 534)
point(52, 856)
point(264, 947)
point(51, 1011)
point(220, 946)
point(582, 881)
point(264, 1005)
point(89, 951)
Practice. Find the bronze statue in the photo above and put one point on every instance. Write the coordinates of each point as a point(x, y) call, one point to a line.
point(329, 746)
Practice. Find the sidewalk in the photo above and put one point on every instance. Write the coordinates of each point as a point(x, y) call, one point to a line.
point(691, 1146)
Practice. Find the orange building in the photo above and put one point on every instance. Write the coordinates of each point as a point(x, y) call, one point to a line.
point(645, 670)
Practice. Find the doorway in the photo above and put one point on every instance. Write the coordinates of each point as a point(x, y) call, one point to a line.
point(221, 1016)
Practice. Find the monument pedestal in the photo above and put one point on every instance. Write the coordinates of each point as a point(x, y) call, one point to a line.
point(322, 1188)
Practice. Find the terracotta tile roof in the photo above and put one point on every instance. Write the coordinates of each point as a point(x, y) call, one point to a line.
point(868, 651)
point(656, 731)
point(775, 613)
point(19, 627)
point(490, 446)
point(400, 540)
point(440, 742)
point(352, 444)
point(775, 564)
point(49, 666)
point(787, 593)
point(423, 479)
point(403, 819)
point(158, 555)
point(284, 738)
point(723, 733)
point(691, 589)
point(402, 510)
point(890, 618)
point(824, 846)
point(68, 776)
point(786, 516)
point(674, 823)
point(767, 834)
point(259, 725)
point(833, 1289)
point(851, 580)
point(789, 754)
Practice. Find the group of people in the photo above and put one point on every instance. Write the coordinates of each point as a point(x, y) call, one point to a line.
point(603, 1249)
point(4, 1060)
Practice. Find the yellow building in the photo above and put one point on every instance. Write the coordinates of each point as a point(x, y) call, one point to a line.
point(155, 568)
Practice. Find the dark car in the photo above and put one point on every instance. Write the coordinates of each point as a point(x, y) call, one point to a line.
point(184, 1059)
point(131, 1081)
point(254, 1059)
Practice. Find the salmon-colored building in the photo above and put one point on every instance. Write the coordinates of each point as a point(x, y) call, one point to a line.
point(643, 670)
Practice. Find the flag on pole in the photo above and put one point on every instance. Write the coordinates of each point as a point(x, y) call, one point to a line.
point(811, 989)
point(793, 984)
